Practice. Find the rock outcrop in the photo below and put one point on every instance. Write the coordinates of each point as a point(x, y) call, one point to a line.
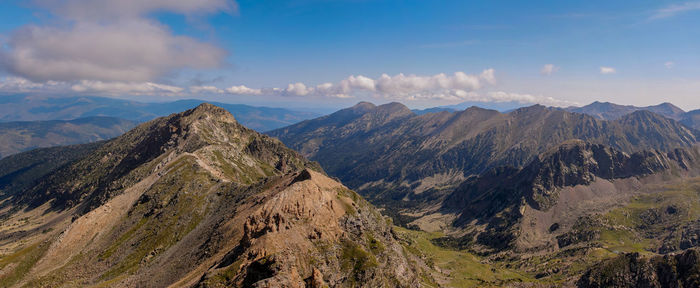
point(633, 270)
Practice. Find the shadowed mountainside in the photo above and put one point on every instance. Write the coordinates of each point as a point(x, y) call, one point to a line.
point(389, 154)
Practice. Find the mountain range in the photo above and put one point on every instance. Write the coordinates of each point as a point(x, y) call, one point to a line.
point(538, 189)
point(390, 154)
point(27, 107)
point(534, 197)
point(193, 199)
point(612, 111)
point(27, 135)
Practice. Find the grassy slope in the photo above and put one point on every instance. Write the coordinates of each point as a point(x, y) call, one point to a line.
point(625, 230)
point(456, 268)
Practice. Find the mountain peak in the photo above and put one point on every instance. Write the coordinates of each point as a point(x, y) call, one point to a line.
point(212, 111)
point(363, 106)
point(394, 107)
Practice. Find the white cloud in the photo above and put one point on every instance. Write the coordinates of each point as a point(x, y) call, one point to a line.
point(548, 69)
point(243, 90)
point(489, 75)
point(205, 89)
point(133, 88)
point(110, 41)
point(607, 70)
point(298, 89)
point(674, 10)
point(669, 64)
point(17, 84)
point(412, 84)
point(136, 50)
point(500, 96)
point(398, 87)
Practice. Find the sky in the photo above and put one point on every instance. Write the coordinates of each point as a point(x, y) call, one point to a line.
point(332, 54)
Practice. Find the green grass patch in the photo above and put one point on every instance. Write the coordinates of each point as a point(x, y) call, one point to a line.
point(464, 268)
point(22, 261)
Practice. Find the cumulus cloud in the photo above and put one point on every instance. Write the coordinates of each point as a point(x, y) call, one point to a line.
point(131, 51)
point(118, 45)
point(400, 86)
point(243, 90)
point(674, 10)
point(500, 96)
point(548, 69)
point(607, 70)
point(669, 64)
point(298, 89)
point(205, 89)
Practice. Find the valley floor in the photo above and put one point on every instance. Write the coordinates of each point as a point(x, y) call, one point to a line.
point(659, 219)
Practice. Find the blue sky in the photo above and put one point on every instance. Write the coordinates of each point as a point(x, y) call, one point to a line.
point(648, 49)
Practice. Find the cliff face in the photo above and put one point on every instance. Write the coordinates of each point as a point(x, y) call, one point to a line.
point(196, 199)
point(498, 198)
point(633, 270)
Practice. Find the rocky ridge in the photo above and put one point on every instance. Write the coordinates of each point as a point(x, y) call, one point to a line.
point(196, 199)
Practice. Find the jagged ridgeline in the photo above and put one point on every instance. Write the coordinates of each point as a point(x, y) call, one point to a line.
point(393, 156)
point(193, 199)
point(546, 192)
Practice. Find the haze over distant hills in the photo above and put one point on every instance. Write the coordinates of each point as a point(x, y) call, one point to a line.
point(612, 111)
point(23, 107)
point(498, 106)
point(26, 135)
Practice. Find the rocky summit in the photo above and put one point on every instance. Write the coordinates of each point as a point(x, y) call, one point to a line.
point(193, 199)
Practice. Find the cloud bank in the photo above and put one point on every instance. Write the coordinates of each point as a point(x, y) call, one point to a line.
point(457, 87)
point(109, 40)
point(398, 87)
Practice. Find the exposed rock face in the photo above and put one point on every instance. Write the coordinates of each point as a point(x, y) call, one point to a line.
point(497, 197)
point(633, 270)
point(344, 240)
point(196, 199)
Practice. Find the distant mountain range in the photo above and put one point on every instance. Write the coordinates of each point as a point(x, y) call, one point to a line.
point(21, 136)
point(391, 154)
point(23, 107)
point(612, 111)
point(498, 106)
